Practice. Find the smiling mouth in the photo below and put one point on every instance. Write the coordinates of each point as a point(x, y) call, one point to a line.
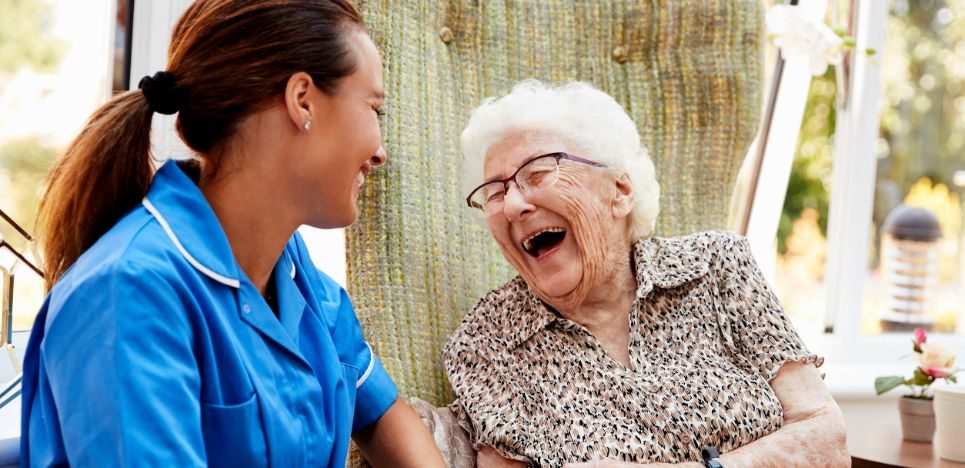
point(543, 241)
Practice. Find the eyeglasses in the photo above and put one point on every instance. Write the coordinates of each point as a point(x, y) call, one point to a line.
point(538, 173)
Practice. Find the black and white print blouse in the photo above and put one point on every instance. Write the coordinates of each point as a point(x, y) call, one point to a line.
point(707, 335)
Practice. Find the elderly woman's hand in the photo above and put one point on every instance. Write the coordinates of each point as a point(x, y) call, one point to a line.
point(488, 457)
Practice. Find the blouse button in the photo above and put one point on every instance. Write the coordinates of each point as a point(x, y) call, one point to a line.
point(246, 308)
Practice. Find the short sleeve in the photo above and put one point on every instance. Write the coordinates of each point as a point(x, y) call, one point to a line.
point(488, 402)
point(762, 335)
point(375, 390)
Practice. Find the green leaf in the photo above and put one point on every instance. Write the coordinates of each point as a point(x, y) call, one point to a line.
point(869, 52)
point(921, 378)
point(951, 378)
point(884, 384)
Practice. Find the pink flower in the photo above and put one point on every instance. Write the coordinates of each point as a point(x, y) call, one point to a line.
point(920, 337)
point(937, 372)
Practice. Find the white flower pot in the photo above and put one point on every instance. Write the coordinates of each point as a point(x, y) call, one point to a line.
point(950, 418)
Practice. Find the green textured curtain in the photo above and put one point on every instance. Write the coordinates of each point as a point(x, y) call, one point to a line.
point(688, 72)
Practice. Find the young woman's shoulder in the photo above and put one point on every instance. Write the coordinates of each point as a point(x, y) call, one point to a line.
point(134, 248)
point(128, 286)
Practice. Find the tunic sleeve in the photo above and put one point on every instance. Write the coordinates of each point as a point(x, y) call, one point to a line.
point(762, 335)
point(375, 391)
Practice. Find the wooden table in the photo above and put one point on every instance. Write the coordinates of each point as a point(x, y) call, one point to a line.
point(874, 438)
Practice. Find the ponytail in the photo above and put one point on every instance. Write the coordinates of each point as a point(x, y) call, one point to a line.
point(104, 173)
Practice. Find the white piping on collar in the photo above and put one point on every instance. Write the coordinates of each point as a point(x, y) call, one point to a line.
point(368, 370)
point(234, 283)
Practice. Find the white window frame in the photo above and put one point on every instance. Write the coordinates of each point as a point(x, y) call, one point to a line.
point(779, 136)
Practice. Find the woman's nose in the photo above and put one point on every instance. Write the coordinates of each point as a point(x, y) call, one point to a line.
point(379, 158)
point(515, 204)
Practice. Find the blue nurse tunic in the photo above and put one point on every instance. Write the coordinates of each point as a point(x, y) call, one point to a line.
point(154, 349)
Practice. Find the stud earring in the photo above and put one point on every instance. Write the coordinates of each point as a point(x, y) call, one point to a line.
point(307, 125)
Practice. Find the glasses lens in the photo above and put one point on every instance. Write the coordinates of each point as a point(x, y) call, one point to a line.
point(539, 173)
point(488, 193)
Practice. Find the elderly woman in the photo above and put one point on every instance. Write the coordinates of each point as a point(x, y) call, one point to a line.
point(613, 346)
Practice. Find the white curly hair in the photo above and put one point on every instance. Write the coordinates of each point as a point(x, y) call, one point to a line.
point(584, 117)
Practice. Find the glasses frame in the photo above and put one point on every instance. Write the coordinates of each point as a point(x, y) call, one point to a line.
point(558, 155)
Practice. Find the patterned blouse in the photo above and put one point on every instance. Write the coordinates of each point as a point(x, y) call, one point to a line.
point(707, 335)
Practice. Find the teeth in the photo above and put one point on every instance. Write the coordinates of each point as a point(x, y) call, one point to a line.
point(528, 242)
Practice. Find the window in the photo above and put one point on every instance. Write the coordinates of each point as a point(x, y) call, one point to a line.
point(56, 65)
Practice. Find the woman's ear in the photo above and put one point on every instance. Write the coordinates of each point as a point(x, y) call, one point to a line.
point(300, 109)
point(622, 203)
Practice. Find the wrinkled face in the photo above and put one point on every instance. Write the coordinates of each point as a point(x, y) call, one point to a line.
point(346, 139)
point(556, 237)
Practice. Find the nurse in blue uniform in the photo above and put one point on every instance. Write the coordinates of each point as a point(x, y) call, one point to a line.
point(185, 323)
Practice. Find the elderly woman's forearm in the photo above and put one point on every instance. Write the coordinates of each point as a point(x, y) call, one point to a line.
point(820, 440)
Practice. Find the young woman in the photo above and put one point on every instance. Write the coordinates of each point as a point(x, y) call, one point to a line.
point(186, 324)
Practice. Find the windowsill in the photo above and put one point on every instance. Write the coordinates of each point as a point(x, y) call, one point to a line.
point(856, 382)
point(852, 364)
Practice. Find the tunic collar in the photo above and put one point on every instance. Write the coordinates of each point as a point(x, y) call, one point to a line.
point(189, 222)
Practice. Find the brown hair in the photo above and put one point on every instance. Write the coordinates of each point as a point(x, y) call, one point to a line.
point(228, 58)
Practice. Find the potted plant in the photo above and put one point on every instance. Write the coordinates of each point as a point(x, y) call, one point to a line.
point(917, 414)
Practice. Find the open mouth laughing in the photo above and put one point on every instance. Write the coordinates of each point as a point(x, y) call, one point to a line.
point(543, 241)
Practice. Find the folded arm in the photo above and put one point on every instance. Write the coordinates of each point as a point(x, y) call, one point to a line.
point(813, 433)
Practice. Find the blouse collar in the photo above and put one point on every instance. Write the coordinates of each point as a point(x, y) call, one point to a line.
point(664, 263)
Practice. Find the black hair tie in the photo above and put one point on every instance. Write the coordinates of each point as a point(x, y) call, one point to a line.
point(159, 92)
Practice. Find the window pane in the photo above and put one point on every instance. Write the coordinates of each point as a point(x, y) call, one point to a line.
point(915, 278)
point(55, 69)
point(802, 232)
